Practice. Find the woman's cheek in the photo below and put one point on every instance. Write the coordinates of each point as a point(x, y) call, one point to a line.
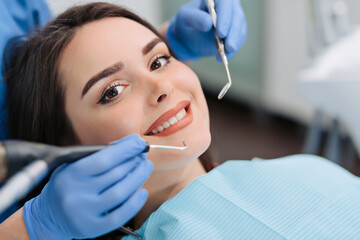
point(189, 79)
point(106, 128)
point(118, 127)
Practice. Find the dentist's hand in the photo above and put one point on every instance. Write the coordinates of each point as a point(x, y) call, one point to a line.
point(191, 36)
point(92, 196)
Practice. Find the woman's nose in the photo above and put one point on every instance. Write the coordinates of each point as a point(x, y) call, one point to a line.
point(162, 97)
point(160, 90)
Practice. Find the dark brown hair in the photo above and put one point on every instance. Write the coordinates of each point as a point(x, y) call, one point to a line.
point(35, 93)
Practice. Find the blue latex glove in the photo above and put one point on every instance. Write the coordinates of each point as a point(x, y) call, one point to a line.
point(92, 196)
point(191, 36)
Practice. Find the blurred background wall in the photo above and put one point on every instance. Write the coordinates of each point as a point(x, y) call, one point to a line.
point(151, 10)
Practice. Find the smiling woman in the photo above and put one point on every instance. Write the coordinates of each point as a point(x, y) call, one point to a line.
point(127, 84)
point(93, 85)
point(99, 73)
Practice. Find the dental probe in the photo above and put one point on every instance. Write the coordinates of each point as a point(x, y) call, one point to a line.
point(147, 148)
point(221, 49)
point(129, 232)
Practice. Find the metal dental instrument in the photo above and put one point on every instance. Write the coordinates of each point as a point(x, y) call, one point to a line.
point(166, 147)
point(221, 49)
point(23, 165)
point(129, 232)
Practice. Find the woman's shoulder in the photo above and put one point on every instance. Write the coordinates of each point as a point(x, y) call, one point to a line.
point(291, 161)
point(302, 163)
point(308, 170)
point(305, 163)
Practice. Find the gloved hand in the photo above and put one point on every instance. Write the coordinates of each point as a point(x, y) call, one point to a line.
point(92, 196)
point(191, 36)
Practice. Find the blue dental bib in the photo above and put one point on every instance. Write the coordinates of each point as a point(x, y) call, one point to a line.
point(296, 197)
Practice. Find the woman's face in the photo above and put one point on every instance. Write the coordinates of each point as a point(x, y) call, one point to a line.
point(120, 79)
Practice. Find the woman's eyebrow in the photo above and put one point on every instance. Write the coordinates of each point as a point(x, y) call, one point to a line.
point(117, 67)
point(103, 74)
point(148, 47)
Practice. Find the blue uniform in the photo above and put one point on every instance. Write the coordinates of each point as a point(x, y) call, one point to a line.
point(296, 197)
point(17, 17)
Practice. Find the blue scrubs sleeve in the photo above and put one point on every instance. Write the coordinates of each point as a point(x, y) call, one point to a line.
point(17, 17)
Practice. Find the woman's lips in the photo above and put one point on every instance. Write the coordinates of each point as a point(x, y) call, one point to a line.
point(180, 124)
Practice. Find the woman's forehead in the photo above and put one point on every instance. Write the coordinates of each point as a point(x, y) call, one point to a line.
point(101, 43)
point(112, 32)
point(117, 25)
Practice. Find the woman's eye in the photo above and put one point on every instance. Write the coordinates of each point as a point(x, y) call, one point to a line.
point(111, 93)
point(159, 62)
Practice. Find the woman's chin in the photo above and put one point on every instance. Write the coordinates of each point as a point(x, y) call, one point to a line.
point(165, 160)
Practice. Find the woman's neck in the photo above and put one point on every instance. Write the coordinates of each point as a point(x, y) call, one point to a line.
point(161, 191)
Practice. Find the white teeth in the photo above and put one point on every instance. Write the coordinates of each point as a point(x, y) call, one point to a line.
point(160, 128)
point(173, 120)
point(166, 125)
point(170, 122)
point(180, 114)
